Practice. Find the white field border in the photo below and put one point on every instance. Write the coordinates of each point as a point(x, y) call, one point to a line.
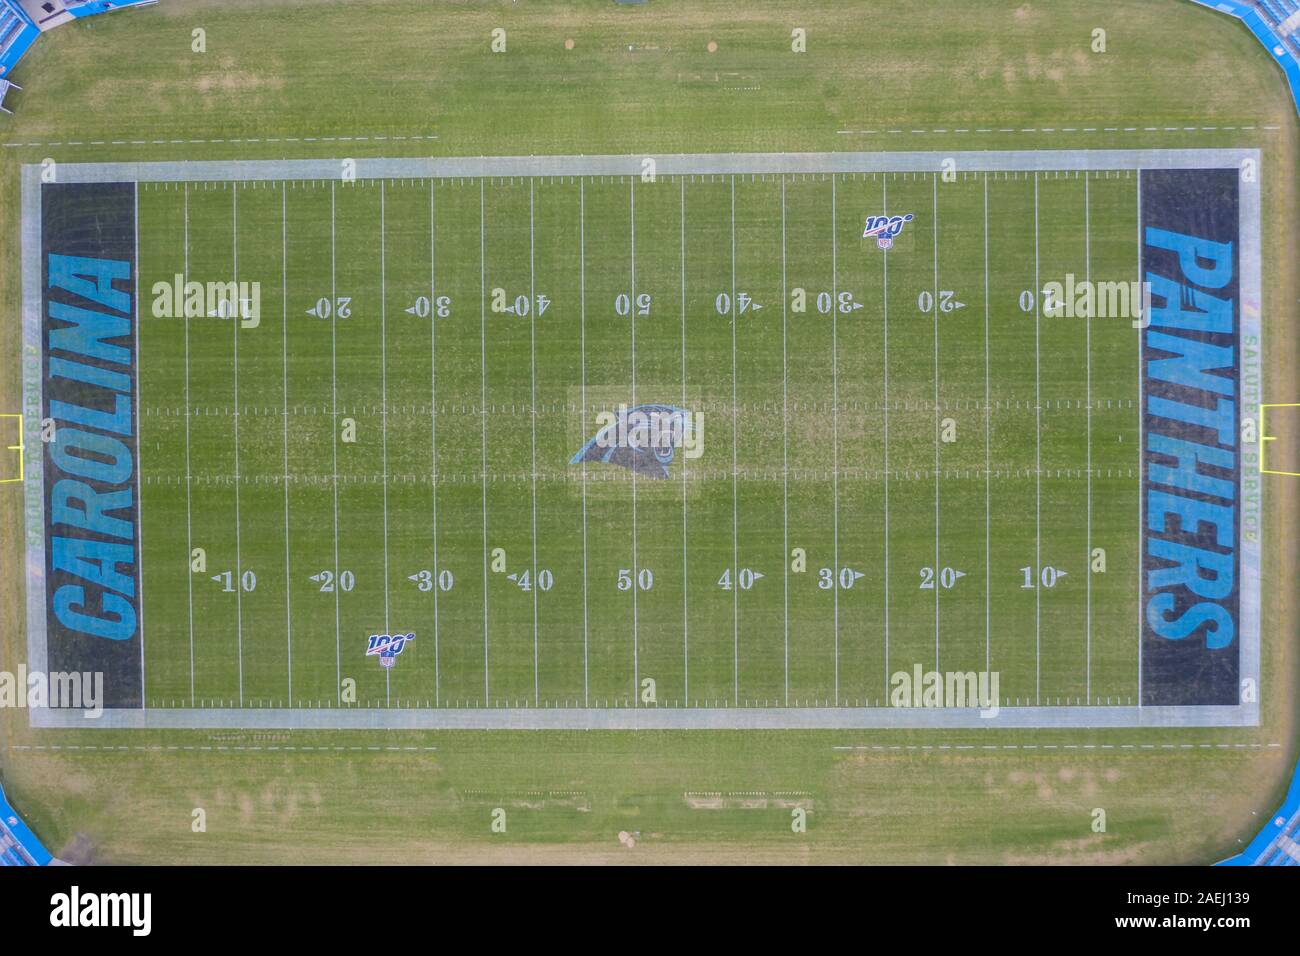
point(1249, 548)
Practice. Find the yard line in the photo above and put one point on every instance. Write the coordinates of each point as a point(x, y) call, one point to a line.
point(735, 530)
point(1141, 437)
point(383, 399)
point(235, 321)
point(532, 407)
point(334, 433)
point(482, 321)
point(284, 386)
point(987, 631)
point(934, 307)
point(884, 273)
point(189, 535)
point(582, 337)
point(139, 506)
point(433, 430)
point(1087, 326)
point(1038, 473)
point(686, 637)
point(785, 451)
point(835, 434)
point(636, 676)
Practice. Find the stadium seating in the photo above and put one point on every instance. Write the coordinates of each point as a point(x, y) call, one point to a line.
point(18, 845)
point(17, 34)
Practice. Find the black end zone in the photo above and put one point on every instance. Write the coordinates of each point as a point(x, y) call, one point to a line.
point(92, 532)
point(1191, 459)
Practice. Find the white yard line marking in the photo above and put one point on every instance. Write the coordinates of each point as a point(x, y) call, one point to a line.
point(988, 633)
point(1038, 472)
point(934, 307)
point(735, 526)
point(582, 337)
point(334, 433)
point(835, 432)
point(239, 557)
point(433, 432)
point(685, 611)
point(138, 456)
point(884, 279)
point(942, 131)
point(632, 310)
point(532, 409)
point(1087, 326)
point(1141, 437)
point(785, 453)
point(1116, 747)
point(189, 533)
point(284, 386)
point(482, 318)
point(383, 400)
point(238, 140)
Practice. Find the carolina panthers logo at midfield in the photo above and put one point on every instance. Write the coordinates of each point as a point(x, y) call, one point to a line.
point(643, 439)
point(885, 229)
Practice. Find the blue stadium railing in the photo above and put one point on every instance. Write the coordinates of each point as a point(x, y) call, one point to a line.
point(18, 844)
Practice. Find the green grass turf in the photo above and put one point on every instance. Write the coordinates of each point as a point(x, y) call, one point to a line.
point(584, 641)
point(317, 71)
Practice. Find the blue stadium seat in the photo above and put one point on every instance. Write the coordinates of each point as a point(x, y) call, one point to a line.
point(9, 24)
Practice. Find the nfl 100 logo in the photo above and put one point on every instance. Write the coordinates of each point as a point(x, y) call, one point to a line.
point(387, 646)
point(884, 229)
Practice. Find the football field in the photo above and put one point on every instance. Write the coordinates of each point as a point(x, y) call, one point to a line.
point(361, 399)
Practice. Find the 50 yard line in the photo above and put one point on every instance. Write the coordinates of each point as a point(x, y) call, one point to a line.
point(636, 676)
point(582, 338)
point(686, 639)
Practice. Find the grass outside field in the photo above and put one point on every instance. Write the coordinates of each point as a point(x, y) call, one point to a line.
point(905, 796)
